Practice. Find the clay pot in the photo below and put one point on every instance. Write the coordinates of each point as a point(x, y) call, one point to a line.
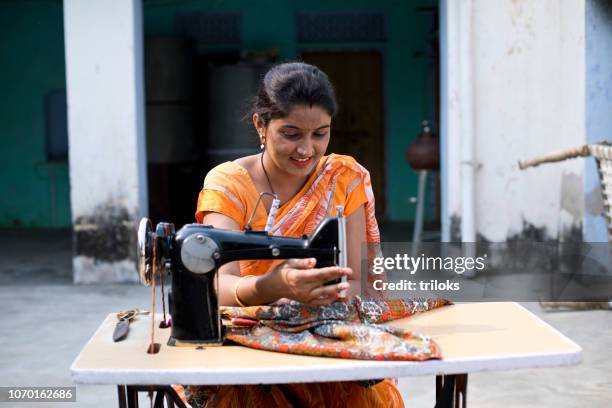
point(424, 153)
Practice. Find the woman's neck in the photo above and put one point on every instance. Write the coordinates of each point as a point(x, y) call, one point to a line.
point(283, 183)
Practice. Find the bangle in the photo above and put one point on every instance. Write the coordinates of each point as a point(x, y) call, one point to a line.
point(236, 298)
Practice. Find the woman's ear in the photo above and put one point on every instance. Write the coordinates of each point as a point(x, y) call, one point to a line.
point(258, 123)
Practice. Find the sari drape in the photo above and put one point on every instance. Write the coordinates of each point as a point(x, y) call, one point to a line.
point(337, 180)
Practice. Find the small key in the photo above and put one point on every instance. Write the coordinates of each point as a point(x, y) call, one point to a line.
point(123, 325)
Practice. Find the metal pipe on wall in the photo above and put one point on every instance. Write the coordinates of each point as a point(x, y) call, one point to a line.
point(468, 165)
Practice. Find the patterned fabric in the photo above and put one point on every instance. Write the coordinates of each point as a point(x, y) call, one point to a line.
point(344, 330)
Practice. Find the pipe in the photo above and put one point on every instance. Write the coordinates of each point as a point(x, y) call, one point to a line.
point(445, 31)
point(468, 165)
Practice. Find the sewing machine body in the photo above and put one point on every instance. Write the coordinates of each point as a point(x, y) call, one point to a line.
point(194, 254)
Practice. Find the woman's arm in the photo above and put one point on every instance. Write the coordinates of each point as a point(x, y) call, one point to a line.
point(229, 274)
point(295, 279)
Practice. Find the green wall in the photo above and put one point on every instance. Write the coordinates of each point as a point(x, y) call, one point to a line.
point(33, 192)
point(270, 24)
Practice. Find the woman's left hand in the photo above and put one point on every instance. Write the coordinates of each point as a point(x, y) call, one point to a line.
point(298, 279)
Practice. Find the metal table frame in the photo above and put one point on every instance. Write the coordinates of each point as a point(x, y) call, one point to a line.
point(451, 392)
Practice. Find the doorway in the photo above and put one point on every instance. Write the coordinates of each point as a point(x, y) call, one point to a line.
point(358, 129)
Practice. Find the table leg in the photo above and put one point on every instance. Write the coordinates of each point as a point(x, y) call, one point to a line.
point(451, 391)
point(159, 399)
point(128, 396)
point(132, 396)
point(121, 396)
point(169, 401)
point(461, 391)
point(173, 397)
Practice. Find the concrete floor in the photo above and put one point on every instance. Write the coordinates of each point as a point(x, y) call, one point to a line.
point(47, 320)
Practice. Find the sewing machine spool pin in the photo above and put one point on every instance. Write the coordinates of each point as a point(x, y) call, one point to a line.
point(342, 258)
point(196, 252)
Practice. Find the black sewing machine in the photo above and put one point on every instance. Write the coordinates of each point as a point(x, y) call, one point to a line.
point(194, 254)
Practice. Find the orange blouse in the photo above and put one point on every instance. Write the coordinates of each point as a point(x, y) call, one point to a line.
point(337, 180)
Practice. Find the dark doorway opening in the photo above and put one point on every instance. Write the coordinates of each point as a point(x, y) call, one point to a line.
point(195, 102)
point(358, 129)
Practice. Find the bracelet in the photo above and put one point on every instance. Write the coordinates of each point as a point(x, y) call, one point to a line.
point(236, 298)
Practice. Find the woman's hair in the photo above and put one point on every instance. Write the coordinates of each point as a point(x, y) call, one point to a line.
point(291, 84)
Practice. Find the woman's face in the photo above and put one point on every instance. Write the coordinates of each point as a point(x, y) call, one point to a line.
point(296, 142)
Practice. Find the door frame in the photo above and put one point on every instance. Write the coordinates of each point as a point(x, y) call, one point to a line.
point(381, 50)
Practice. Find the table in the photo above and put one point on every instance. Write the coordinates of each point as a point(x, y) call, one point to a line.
point(473, 337)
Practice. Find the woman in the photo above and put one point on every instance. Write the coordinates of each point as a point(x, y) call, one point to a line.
point(292, 114)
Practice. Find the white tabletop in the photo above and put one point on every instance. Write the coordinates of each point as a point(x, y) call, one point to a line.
point(473, 337)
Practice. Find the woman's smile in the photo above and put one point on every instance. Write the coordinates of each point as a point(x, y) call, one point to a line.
point(301, 162)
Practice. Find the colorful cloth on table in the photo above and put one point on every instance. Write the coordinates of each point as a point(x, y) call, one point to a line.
point(345, 330)
point(337, 180)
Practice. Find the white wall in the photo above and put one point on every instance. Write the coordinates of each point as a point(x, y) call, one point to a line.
point(526, 60)
point(104, 75)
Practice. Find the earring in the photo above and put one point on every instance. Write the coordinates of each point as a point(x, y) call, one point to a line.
point(262, 141)
point(261, 146)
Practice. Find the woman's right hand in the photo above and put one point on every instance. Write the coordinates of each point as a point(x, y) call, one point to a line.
point(297, 279)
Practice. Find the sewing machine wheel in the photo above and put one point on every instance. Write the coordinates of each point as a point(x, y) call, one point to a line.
point(145, 251)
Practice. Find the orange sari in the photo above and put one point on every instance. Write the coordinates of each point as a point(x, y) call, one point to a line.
point(337, 180)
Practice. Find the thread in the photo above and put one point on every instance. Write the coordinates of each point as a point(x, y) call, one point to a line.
point(272, 214)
